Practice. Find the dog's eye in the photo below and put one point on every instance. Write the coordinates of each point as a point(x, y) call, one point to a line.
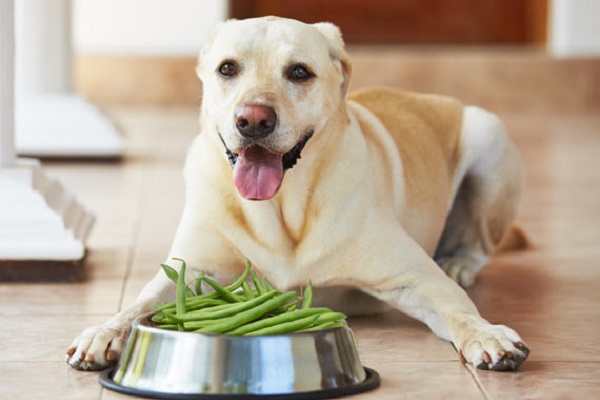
point(299, 73)
point(228, 69)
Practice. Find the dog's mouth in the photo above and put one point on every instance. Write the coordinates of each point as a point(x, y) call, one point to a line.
point(257, 172)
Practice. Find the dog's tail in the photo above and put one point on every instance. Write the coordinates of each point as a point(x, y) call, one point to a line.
point(514, 238)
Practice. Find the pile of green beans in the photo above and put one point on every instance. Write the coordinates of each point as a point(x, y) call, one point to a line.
point(249, 306)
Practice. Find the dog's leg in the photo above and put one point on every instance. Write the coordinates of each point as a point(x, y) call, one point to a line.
point(427, 294)
point(489, 185)
point(100, 346)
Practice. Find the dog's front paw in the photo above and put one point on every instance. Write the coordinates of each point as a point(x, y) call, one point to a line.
point(494, 347)
point(96, 347)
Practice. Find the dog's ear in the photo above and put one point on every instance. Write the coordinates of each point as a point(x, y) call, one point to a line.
point(337, 50)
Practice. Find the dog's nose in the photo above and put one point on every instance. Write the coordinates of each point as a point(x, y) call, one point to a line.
point(255, 120)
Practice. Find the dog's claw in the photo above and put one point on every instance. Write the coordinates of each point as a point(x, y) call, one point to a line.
point(495, 347)
point(507, 360)
point(486, 357)
point(96, 348)
point(111, 355)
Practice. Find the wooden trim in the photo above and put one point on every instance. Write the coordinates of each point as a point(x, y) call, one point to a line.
point(124, 80)
point(415, 21)
point(537, 16)
point(499, 78)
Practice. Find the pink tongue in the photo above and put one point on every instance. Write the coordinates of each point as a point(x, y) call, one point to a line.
point(257, 173)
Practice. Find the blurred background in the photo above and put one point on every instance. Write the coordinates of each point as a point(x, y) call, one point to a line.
point(525, 55)
point(114, 79)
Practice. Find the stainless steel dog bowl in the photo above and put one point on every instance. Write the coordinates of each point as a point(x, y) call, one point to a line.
point(186, 365)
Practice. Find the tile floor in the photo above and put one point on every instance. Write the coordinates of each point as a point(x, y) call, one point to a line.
point(549, 293)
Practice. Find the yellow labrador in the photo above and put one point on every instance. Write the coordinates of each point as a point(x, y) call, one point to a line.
point(401, 195)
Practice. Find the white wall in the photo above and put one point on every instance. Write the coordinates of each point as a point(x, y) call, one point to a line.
point(575, 28)
point(145, 27)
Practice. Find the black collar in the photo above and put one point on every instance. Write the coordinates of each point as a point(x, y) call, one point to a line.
point(289, 159)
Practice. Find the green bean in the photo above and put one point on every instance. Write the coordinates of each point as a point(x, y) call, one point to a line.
point(292, 306)
point(173, 275)
point(257, 283)
point(198, 285)
point(210, 295)
point(285, 308)
point(279, 319)
point(209, 308)
point(169, 327)
point(170, 272)
point(326, 325)
point(308, 295)
point(285, 327)
point(331, 317)
point(268, 285)
point(180, 292)
point(225, 312)
point(217, 307)
point(239, 309)
point(204, 303)
point(195, 325)
point(238, 282)
point(192, 304)
point(223, 293)
point(249, 315)
point(249, 294)
point(158, 318)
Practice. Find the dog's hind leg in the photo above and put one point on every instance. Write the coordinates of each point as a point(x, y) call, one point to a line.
point(488, 186)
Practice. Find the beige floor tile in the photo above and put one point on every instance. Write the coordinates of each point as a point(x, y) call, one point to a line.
point(395, 337)
point(101, 297)
point(46, 380)
point(105, 259)
point(134, 286)
point(112, 395)
point(41, 338)
point(545, 380)
point(423, 380)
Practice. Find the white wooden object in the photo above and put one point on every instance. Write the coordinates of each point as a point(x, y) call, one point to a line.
point(39, 219)
point(64, 125)
point(574, 29)
point(51, 120)
point(7, 50)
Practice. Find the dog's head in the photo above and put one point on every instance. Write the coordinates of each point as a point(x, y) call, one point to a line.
point(269, 85)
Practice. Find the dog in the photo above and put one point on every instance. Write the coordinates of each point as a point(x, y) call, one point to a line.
point(382, 198)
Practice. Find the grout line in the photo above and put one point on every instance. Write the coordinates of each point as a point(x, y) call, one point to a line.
point(478, 382)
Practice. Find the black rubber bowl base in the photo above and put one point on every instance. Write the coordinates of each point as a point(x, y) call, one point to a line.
point(372, 381)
